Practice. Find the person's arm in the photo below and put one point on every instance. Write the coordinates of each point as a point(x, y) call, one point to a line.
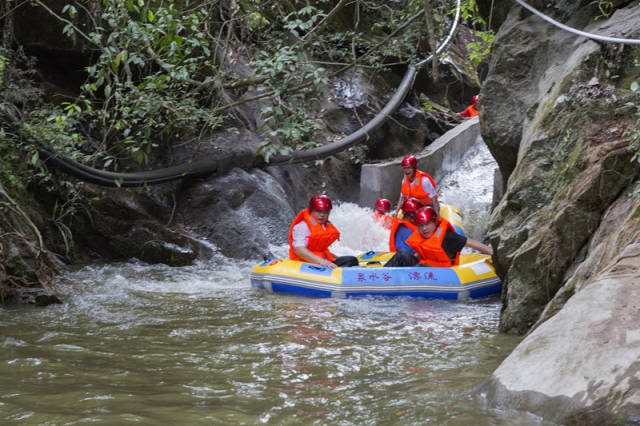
point(306, 254)
point(436, 205)
point(477, 245)
point(401, 201)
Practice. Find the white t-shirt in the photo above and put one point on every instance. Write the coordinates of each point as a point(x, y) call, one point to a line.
point(427, 187)
point(301, 234)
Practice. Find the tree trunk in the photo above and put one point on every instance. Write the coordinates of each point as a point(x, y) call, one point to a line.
point(432, 39)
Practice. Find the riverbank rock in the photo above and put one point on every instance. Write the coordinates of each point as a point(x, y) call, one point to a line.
point(566, 157)
point(558, 115)
point(126, 224)
point(241, 213)
point(27, 267)
point(581, 366)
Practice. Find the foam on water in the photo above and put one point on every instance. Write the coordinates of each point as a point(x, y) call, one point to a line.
point(470, 189)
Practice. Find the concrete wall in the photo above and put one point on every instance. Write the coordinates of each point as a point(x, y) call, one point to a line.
point(383, 180)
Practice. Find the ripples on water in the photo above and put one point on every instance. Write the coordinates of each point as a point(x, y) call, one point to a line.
point(136, 342)
point(197, 345)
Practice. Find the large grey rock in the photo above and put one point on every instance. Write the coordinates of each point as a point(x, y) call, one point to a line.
point(124, 225)
point(240, 213)
point(564, 151)
point(581, 366)
point(531, 64)
point(566, 236)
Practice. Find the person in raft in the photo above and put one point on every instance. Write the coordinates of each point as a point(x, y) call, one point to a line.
point(404, 228)
point(435, 243)
point(417, 184)
point(381, 213)
point(471, 110)
point(311, 234)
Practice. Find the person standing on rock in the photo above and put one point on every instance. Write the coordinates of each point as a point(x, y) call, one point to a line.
point(311, 234)
point(471, 110)
point(417, 184)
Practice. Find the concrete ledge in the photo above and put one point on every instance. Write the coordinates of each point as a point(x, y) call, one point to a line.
point(440, 157)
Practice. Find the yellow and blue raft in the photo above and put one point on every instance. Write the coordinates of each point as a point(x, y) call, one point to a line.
point(475, 277)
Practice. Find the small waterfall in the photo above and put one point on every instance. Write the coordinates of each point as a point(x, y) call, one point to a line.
point(470, 188)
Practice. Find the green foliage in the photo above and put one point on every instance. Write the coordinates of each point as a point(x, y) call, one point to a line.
point(3, 63)
point(480, 49)
point(160, 67)
point(469, 13)
point(287, 129)
point(634, 132)
point(605, 8)
point(288, 66)
point(426, 105)
point(141, 88)
point(17, 95)
point(24, 119)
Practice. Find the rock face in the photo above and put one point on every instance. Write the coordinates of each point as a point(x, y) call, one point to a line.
point(564, 153)
point(582, 365)
point(27, 268)
point(557, 114)
point(242, 213)
point(125, 225)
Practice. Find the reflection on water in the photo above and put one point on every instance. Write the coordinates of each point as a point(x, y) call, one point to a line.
point(197, 345)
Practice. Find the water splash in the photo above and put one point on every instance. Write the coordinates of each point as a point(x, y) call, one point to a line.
point(470, 188)
point(348, 92)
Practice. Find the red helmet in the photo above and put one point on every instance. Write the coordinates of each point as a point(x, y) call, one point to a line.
point(474, 99)
point(320, 202)
point(410, 161)
point(411, 205)
point(383, 205)
point(425, 215)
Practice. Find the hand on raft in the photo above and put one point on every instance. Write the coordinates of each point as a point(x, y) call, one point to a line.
point(328, 264)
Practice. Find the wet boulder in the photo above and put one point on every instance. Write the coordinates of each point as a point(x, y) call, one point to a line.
point(128, 224)
point(241, 213)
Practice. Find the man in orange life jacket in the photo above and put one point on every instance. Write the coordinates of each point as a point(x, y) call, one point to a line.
point(436, 242)
point(311, 234)
point(417, 184)
point(381, 213)
point(403, 229)
point(471, 110)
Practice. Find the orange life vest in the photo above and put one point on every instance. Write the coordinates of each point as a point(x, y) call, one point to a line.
point(385, 220)
point(392, 236)
point(430, 249)
point(471, 111)
point(414, 189)
point(320, 239)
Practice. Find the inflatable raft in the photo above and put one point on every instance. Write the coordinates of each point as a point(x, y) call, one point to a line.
point(473, 278)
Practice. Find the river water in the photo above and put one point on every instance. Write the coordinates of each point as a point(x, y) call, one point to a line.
point(150, 344)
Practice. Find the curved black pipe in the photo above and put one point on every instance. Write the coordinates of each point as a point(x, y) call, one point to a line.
point(347, 141)
point(200, 168)
point(106, 178)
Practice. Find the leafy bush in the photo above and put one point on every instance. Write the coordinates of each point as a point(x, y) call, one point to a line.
point(141, 88)
point(634, 145)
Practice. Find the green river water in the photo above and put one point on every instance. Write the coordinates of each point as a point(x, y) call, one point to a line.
point(152, 345)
